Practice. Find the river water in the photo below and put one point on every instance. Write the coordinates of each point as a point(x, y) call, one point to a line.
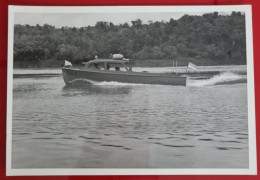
point(117, 125)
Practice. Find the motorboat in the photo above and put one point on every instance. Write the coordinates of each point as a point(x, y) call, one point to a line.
point(119, 70)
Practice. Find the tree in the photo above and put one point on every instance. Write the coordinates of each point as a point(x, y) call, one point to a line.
point(215, 38)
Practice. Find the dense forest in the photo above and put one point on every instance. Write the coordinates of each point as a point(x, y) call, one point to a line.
point(210, 39)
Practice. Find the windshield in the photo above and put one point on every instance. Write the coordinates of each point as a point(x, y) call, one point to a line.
point(108, 66)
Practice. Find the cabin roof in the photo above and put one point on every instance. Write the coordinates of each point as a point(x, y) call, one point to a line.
point(109, 61)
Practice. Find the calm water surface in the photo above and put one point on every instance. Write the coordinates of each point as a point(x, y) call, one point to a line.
point(116, 125)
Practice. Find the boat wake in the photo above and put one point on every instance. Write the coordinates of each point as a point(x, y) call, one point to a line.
point(103, 83)
point(220, 79)
point(82, 81)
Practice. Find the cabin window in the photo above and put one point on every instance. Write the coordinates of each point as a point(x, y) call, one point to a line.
point(116, 67)
point(99, 66)
point(108, 66)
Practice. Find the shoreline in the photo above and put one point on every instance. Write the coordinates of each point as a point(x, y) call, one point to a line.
point(181, 62)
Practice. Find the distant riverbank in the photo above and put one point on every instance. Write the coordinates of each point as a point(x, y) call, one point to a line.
point(240, 69)
point(54, 63)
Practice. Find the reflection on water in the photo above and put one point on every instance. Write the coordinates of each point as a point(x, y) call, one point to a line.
point(117, 125)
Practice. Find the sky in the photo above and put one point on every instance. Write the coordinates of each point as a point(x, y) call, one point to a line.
point(84, 19)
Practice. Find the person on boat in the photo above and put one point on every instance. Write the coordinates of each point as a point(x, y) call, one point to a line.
point(96, 66)
point(110, 56)
point(117, 68)
point(108, 67)
point(96, 56)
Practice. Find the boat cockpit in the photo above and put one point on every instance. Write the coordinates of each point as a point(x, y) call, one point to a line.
point(109, 65)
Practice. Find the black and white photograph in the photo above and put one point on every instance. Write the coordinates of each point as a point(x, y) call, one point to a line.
point(130, 90)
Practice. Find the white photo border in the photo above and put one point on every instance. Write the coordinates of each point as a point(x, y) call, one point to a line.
point(252, 170)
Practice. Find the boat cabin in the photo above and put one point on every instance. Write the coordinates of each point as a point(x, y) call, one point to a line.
point(109, 65)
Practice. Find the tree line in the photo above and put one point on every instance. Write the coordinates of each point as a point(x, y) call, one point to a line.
point(210, 39)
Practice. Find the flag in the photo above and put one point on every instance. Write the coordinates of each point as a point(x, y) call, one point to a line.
point(191, 66)
point(67, 63)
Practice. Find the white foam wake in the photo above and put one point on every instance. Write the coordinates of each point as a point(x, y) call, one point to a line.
point(87, 81)
point(223, 78)
point(104, 83)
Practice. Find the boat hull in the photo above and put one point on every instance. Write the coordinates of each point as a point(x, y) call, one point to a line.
point(71, 75)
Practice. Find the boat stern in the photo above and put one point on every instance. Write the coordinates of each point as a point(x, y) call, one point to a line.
point(65, 73)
